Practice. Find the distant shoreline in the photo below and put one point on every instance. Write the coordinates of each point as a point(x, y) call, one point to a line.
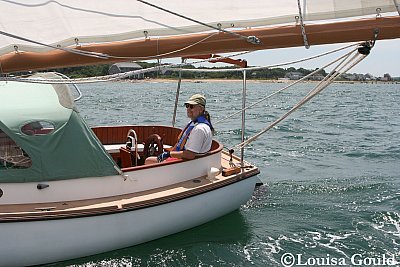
point(160, 80)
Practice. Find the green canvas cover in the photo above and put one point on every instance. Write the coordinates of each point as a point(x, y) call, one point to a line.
point(70, 151)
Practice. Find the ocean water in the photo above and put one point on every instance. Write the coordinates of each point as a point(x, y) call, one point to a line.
point(331, 175)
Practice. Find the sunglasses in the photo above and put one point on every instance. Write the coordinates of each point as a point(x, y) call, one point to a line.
point(190, 106)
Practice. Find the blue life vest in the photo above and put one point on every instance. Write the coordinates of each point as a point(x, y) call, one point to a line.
point(182, 139)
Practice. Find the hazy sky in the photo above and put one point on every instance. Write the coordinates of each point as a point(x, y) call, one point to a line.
point(384, 58)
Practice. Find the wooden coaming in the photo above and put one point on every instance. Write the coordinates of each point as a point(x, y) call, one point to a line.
point(109, 135)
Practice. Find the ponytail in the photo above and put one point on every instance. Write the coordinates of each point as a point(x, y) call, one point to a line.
point(208, 117)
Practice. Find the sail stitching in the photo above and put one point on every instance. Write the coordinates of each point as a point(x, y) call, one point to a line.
point(250, 39)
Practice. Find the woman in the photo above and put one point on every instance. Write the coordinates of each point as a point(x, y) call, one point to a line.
point(195, 138)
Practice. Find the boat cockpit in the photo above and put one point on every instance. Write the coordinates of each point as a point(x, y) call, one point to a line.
point(129, 146)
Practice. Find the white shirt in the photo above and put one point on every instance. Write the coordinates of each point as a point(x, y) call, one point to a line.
point(200, 139)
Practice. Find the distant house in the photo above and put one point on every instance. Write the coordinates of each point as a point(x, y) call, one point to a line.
point(354, 77)
point(316, 77)
point(294, 75)
point(386, 77)
point(125, 67)
point(370, 77)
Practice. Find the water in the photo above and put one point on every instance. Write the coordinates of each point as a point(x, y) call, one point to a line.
point(331, 174)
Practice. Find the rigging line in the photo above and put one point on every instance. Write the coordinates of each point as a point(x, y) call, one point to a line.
point(322, 85)
point(123, 75)
point(303, 29)
point(178, 89)
point(397, 5)
point(106, 56)
point(284, 88)
point(250, 39)
point(210, 60)
point(335, 69)
point(299, 104)
point(290, 85)
point(71, 50)
point(262, 67)
point(1, 70)
point(158, 59)
point(222, 57)
point(95, 79)
point(106, 78)
point(93, 12)
point(335, 72)
point(167, 53)
point(269, 66)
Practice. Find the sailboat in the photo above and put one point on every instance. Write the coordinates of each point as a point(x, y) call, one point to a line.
point(68, 190)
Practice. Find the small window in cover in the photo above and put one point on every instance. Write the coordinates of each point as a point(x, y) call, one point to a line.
point(11, 155)
point(37, 128)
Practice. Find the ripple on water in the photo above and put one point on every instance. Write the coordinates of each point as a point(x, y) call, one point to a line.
point(330, 172)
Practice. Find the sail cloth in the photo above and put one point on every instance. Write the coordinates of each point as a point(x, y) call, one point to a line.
point(71, 22)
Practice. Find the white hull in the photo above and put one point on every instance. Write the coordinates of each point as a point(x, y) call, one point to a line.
point(98, 187)
point(87, 205)
point(39, 242)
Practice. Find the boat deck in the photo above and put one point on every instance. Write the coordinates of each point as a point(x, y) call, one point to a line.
point(121, 203)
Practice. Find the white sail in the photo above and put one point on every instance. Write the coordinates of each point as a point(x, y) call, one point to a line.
point(70, 22)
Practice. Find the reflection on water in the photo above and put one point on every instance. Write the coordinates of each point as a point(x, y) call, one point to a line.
point(182, 249)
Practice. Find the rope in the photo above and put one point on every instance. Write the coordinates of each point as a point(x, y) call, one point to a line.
point(268, 66)
point(321, 86)
point(70, 50)
point(303, 29)
point(247, 38)
point(397, 5)
point(285, 88)
point(220, 57)
point(120, 76)
point(106, 56)
point(107, 78)
point(167, 53)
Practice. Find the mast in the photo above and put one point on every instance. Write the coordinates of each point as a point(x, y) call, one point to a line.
point(270, 37)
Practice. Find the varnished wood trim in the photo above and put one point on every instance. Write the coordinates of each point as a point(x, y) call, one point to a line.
point(117, 134)
point(218, 149)
point(100, 211)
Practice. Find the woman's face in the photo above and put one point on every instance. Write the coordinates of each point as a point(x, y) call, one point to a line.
point(193, 111)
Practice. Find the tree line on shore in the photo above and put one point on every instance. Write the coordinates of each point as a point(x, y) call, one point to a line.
point(262, 74)
point(101, 70)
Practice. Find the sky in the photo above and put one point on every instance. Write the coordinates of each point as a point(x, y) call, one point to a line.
point(384, 57)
